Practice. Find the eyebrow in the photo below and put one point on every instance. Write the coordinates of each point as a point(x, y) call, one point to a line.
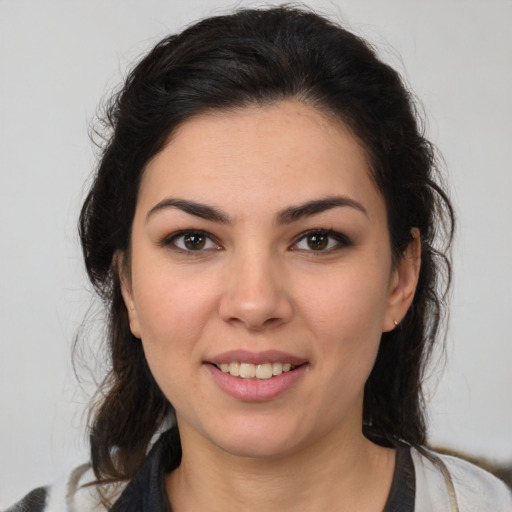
point(286, 216)
point(192, 208)
point(294, 213)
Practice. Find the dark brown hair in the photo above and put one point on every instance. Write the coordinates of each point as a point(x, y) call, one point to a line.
point(257, 57)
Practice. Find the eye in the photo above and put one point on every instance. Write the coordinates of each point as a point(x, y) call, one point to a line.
point(321, 240)
point(191, 241)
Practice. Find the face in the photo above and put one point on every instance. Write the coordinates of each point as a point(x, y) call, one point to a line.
point(261, 278)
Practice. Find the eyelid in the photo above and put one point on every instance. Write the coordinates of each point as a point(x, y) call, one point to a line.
point(170, 239)
point(341, 239)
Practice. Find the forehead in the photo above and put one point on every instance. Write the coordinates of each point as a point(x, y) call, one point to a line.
point(277, 151)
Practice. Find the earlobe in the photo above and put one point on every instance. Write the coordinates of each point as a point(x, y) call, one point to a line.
point(126, 292)
point(403, 283)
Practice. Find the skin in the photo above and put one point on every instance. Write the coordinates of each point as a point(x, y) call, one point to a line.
point(259, 283)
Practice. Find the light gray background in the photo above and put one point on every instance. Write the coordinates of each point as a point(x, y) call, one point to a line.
point(59, 58)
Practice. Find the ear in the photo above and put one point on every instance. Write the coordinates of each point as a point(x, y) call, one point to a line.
point(403, 283)
point(121, 267)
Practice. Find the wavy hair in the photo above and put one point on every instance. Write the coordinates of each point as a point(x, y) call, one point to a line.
point(260, 57)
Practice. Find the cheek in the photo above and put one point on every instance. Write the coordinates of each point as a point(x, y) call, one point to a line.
point(346, 317)
point(172, 314)
point(172, 306)
point(345, 303)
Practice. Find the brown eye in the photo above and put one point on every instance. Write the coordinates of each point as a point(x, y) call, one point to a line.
point(194, 241)
point(191, 241)
point(322, 241)
point(317, 242)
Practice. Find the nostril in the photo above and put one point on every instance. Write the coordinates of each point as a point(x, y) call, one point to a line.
point(254, 297)
point(255, 324)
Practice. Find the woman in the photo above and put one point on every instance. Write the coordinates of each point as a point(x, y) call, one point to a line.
point(264, 227)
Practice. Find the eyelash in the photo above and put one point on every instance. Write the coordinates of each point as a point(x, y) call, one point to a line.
point(340, 239)
point(171, 240)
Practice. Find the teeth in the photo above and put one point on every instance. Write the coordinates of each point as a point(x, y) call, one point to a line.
point(234, 369)
point(277, 368)
point(262, 371)
point(247, 371)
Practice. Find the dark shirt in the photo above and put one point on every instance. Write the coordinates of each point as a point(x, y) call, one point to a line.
point(146, 491)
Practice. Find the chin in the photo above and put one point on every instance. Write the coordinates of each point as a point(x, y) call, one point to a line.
point(260, 439)
point(256, 447)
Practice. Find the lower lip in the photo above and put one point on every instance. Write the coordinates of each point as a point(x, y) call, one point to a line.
point(256, 390)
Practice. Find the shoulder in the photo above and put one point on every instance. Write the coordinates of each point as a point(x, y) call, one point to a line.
point(76, 492)
point(444, 482)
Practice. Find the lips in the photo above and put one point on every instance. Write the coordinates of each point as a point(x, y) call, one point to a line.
point(259, 376)
point(256, 358)
point(262, 371)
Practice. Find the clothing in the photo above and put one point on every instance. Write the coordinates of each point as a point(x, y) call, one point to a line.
point(423, 482)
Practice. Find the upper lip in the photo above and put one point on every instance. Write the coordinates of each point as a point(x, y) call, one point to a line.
point(266, 356)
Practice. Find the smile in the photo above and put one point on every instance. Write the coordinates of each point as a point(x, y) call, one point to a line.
point(258, 381)
point(262, 371)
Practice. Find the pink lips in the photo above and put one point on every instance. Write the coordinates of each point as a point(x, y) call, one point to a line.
point(255, 390)
point(268, 356)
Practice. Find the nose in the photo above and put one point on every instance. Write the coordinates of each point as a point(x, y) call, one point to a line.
point(255, 294)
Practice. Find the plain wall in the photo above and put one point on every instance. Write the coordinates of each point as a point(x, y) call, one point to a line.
point(59, 58)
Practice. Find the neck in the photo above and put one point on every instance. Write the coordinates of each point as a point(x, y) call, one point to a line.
point(336, 473)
